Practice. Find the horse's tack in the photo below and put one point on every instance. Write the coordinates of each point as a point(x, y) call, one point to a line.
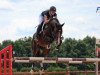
point(48, 35)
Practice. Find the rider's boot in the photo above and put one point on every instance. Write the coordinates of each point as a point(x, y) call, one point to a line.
point(38, 31)
point(37, 35)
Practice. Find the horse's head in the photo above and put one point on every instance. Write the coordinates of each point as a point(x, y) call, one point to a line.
point(56, 28)
point(55, 25)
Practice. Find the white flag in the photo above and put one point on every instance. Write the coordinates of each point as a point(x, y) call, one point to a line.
point(97, 41)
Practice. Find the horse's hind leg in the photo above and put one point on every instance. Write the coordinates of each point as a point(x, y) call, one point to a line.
point(46, 52)
point(35, 53)
point(46, 65)
point(35, 65)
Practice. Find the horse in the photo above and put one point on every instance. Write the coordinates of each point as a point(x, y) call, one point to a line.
point(52, 32)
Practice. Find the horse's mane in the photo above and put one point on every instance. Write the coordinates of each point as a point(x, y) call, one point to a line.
point(54, 19)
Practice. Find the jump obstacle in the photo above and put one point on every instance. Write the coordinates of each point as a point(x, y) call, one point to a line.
point(55, 60)
point(6, 59)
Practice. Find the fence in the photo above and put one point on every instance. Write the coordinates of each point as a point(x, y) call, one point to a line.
point(6, 61)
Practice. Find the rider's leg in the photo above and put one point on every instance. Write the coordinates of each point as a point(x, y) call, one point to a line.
point(40, 25)
point(38, 30)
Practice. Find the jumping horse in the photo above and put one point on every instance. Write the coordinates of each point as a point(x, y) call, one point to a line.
point(52, 32)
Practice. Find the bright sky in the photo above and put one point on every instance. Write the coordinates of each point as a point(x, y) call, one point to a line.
point(18, 18)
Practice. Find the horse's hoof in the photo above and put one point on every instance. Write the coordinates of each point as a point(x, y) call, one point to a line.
point(41, 72)
point(31, 71)
point(56, 49)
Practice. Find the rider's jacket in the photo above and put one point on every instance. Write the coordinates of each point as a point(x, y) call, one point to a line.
point(46, 13)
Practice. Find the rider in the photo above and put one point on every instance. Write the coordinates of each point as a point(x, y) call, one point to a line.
point(44, 18)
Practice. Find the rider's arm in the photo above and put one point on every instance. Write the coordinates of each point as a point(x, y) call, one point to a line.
point(45, 19)
point(55, 16)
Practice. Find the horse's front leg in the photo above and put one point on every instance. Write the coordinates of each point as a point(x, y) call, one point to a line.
point(58, 45)
point(58, 42)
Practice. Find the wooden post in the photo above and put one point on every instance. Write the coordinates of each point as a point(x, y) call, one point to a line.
point(96, 63)
point(67, 69)
point(97, 54)
point(96, 70)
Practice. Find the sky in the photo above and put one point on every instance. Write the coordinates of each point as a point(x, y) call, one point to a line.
point(19, 18)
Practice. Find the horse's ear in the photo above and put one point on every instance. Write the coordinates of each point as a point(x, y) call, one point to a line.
point(62, 24)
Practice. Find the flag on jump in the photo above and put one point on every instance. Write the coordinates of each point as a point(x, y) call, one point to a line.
point(98, 9)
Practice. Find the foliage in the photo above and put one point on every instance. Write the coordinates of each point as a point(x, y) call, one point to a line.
point(82, 48)
point(25, 69)
point(51, 68)
point(14, 70)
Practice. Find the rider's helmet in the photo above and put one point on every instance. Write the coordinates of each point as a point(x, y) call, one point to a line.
point(53, 8)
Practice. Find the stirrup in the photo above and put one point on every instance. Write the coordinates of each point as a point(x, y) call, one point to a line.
point(40, 32)
point(36, 39)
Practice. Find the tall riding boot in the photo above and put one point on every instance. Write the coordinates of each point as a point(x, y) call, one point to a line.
point(38, 30)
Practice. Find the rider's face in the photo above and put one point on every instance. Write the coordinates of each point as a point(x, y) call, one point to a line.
point(52, 13)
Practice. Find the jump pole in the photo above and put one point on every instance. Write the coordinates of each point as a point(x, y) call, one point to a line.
point(59, 60)
point(54, 60)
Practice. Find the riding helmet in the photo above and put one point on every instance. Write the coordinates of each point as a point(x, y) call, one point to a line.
point(52, 8)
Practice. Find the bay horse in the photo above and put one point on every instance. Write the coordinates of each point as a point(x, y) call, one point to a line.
point(52, 32)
